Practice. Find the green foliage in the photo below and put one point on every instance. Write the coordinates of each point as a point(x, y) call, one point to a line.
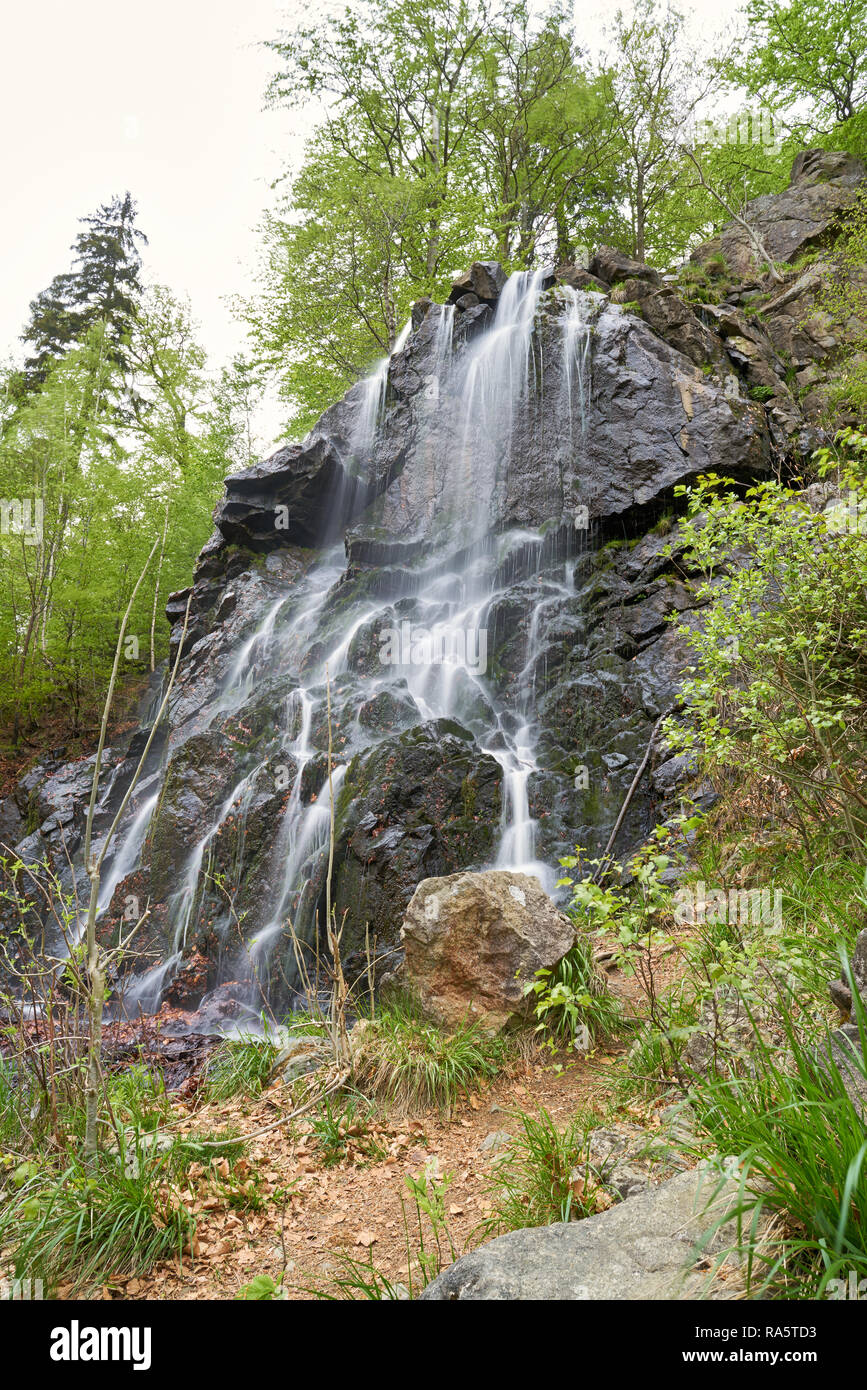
point(432, 1237)
point(647, 90)
point(87, 1224)
point(801, 1144)
point(336, 1127)
point(541, 1176)
point(262, 1289)
point(454, 133)
point(845, 297)
point(412, 1064)
point(240, 1066)
point(359, 1280)
point(137, 1097)
point(202, 1147)
point(806, 60)
point(638, 917)
point(571, 1001)
point(778, 692)
point(103, 287)
point(108, 458)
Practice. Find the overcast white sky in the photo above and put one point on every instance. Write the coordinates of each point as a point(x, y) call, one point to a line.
point(164, 98)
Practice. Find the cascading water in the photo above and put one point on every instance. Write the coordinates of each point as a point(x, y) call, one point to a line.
point(373, 389)
point(127, 856)
point(437, 663)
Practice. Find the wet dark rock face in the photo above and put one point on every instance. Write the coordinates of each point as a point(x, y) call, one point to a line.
point(396, 503)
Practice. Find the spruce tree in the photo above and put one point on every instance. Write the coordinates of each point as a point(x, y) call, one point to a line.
point(103, 285)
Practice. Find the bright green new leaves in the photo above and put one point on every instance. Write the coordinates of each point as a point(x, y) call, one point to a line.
point(807, 60)
point(778, 692)
point(107, 457)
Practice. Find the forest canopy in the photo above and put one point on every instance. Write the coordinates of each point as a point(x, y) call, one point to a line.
point(460, 129)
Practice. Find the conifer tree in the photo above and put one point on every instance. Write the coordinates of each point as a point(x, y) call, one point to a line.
point(102, 285)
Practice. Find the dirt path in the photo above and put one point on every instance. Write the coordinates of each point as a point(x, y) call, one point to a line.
point(312, 1214)
point(306, 1217)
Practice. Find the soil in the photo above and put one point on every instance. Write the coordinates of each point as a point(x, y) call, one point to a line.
point(308, 1220)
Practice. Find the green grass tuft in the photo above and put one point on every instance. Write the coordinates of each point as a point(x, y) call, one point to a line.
point(88, 1225)
point(240, 1066)
point(412, 1064)
point(803, 1149)
point(541, 1176)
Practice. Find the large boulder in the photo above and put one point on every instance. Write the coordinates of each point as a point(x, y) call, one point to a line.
point(484, 280)
point(473, 941)
point(652, 1246)
point(612, 266)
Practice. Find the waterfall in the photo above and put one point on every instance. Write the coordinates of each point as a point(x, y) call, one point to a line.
point(127, 854)
point(145, 991)
point(253, 653)
point(373, 389)
point(430, 627)
point(576, 351)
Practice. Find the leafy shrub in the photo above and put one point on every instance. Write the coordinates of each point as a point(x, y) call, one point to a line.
point(845, 297)
point(778, 692)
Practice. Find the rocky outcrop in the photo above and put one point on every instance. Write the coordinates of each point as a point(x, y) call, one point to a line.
point(823, 185)
point(649, 408)
point(483, 282)
point(788, 350)
point(653, 1246)
point(473, 942)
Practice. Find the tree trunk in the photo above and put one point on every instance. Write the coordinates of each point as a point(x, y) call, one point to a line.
point(640, 218)
point(157, 584)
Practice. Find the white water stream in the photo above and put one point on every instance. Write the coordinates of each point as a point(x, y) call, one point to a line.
point(484, 385)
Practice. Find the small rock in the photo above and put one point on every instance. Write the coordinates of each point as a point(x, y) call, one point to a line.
point(496, 1140)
